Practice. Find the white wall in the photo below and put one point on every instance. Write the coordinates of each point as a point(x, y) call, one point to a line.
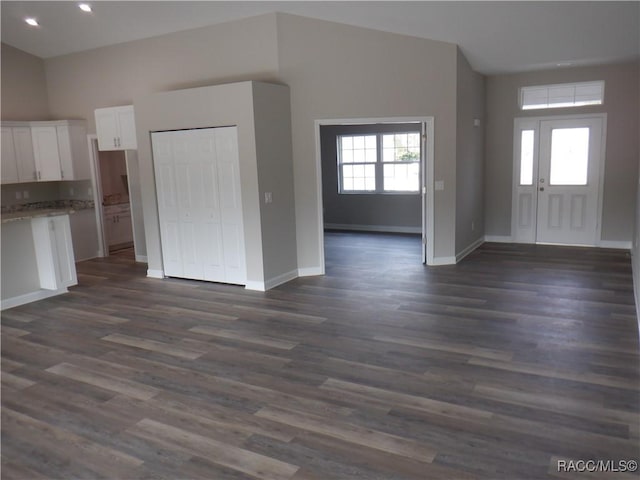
point(470, 156)
point(272, 117)
point(202, 107)
point(339, 71)
point(24, 86)
point(135, 200)
point(334, 71)
point(261, 114)
point(116, 75)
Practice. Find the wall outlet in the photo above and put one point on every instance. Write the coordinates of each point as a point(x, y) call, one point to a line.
point(439, 185)
point(268, 197)
point(18, 195)
point(25, 194)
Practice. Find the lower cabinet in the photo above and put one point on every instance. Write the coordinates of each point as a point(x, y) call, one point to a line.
point(85, 234)
point(117, 223)
point(54, 252)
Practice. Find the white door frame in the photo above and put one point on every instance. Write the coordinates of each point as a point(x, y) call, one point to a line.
point(92, 140)
point(94, 161)
point(521, 123)
point(427, 166)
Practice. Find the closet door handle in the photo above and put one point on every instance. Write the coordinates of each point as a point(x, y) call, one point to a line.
point(39, 175)
point(115, 144)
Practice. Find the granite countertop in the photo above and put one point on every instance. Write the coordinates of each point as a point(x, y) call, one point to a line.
point(43, 209)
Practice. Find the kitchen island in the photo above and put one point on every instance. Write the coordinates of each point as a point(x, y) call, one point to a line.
point(37, 255)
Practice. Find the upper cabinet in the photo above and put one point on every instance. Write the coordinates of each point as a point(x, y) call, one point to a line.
point(116, 128)
point(44, 151)
point(18, 161)
point(23, 143)
point(9, 165)
point(60, 150)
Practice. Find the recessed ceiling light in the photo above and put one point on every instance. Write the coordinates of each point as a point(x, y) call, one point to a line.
point(32, 21)
point(85, 7)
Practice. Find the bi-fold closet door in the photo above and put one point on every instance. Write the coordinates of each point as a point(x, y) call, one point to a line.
point(199, 204)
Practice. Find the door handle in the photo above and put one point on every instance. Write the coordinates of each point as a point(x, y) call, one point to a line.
point(542, 189)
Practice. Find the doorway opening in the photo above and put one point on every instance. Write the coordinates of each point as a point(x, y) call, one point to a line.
point(558, 179)
point(115, 174)
point(361, 161)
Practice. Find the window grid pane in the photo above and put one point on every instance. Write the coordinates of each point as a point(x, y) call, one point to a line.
point(358, 177)
point(360, 148)
point(398, 165)
point(569, 156)
point(526, 157)
point(401, 147)
point(401, 177)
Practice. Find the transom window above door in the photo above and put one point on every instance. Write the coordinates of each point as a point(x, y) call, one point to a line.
point(379, 163)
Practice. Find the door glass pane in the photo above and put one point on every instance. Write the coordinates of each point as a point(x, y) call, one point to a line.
point(526, 157)
point(569, 156)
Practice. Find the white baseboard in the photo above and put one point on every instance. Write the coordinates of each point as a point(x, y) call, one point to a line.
point(443, 261)
point(155, 273)
point(271, 282)
point(255, 286)
point(622, 245)
point(310, 271)
point(30, 297)
point(141, 259)
point(280, 279)
point(469, 249)
point(373, 228)
point(498, 238)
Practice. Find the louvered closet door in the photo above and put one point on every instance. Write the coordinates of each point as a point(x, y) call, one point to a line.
point(194, 200)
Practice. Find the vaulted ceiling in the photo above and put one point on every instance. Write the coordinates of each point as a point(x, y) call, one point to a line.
point(496, 37)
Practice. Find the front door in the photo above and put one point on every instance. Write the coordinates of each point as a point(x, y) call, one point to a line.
point(557, 180)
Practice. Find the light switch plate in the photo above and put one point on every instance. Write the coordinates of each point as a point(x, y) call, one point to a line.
point(439, 185)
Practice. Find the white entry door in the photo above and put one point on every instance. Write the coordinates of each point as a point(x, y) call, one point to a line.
point(199, 204)
point(557, 180)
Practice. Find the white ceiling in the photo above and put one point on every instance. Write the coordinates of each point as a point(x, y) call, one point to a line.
point(496, 37)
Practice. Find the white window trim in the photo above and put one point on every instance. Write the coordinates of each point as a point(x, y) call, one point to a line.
point(379, 166)
point(561, 95)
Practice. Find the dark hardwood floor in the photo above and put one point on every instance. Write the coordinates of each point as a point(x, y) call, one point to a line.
point(496, 368)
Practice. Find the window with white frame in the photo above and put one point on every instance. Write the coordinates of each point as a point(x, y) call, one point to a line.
point(379, 163)
point(562, 95)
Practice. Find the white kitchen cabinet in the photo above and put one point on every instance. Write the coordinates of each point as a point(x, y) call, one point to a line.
point(9, 161)
point(60, 150)
point(117, 221)
point(18, 162)
point(46, 153)
point(54, 252)
point(23, 143)
point(116, 128)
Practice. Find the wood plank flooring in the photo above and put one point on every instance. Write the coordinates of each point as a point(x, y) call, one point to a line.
point(496, 368)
